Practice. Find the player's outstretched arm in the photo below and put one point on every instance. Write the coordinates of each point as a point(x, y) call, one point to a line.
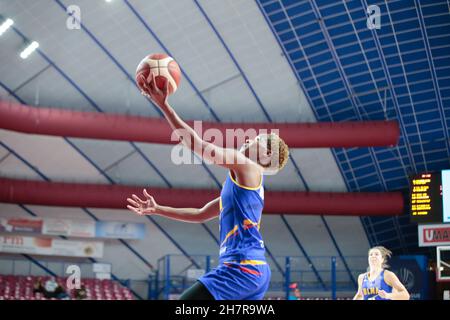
point(228, 158)
point(193, 215)
point(399, 291)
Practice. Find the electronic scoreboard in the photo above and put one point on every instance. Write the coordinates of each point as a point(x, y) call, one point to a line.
point(430, 197)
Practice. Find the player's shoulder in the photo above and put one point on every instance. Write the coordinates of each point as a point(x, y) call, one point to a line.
point(389, 277)
point(361, 276)
point(389, 273)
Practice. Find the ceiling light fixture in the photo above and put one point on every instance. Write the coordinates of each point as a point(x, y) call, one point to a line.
point(6, 25)
point(29, 50)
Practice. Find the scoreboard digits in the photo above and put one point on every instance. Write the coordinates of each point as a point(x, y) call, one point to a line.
point(426, 198)
point(420, 197)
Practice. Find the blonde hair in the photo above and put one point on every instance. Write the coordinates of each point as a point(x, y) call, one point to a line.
point(385, 254)
point(279, 150)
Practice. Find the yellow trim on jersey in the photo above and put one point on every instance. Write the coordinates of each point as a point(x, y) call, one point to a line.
point(253, 262)
point(244, 187)
point(248, 222)
point(229, 234)
point(220, 204)
point(249, 262)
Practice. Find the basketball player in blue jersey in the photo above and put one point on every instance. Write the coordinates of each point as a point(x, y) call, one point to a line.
point(379, 283)
point(242, 273)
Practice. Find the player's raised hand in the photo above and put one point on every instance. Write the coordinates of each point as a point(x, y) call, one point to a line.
point(142, 207)
point(151, 90)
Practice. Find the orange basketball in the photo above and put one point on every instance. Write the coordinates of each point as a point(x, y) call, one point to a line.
point(164, 67)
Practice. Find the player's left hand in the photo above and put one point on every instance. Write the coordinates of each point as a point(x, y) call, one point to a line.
point(143, 207)
point(383, 294)
point(151, 91)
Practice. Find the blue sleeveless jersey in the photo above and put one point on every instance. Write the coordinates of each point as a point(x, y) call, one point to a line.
point(240, 218)
point(370, 288)
point(243, 273)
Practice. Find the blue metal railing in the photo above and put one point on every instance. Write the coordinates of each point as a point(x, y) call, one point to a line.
point(172, 276)
point(175, 273)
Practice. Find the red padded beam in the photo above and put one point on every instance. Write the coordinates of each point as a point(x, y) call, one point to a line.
point(94, 125)
point(114, 197)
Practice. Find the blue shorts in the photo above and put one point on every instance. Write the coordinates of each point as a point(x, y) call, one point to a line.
point(234, 281)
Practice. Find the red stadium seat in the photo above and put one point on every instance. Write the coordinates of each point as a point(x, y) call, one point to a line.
point(21, 288)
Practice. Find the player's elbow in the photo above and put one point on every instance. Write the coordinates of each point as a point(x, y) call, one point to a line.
point(207, 215)
point(203, 219)
point(202, 215)
point(197, 219)
point(406, 295)
point(403, 295)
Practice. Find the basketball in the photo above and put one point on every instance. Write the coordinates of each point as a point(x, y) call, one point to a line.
point(164, 67)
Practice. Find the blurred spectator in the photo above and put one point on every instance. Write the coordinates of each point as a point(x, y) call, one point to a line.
point(38, 286)
point(297, 294)
point(81, 293)
point(54, 289)
point(294, 292)
point(51, 285)
point(60, 292)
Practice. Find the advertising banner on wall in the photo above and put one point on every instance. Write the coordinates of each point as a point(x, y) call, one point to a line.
point(411, 270)
point(432, 235)
point(21, 225)
point(50, 246)
point(69, 228)
point(119, 230)
point(74, 228)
